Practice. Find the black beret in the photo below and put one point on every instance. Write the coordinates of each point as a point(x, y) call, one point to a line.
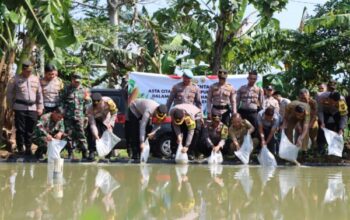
point(162, 109)
point(96, 96)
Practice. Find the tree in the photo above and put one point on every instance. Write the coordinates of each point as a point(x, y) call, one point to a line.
point(26, 25)
point(213, 27)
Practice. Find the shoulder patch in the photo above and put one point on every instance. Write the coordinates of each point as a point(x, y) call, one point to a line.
point(343, 108)
point(191, 124)
point(224, 132)
point(112, 106)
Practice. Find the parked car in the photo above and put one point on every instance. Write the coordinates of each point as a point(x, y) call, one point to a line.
point(160, 146)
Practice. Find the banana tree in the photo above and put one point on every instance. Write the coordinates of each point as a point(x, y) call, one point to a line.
point(28, 24)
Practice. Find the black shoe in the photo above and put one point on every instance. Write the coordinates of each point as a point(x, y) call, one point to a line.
point(28, 153)
point(91, 156)
point(84, 154)
point(38, 154)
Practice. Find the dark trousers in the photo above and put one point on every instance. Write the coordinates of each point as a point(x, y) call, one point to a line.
point(206, 148)
point(25, 121)
point(272, 145)
point(321, 139)
point(194, 148)
point(132, 134)
point(49, 109)
point(252, 117)
point(90, 137)
point(225, 118)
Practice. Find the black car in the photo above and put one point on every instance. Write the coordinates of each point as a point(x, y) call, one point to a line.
point(160, 146)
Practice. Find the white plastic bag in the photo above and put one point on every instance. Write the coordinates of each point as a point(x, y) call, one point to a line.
point(215, 158)
point(246, 149)
point(106, 143)
point(266, 158)
point(287, 150)
point(54, 149)
point(105, 181)
point(336, 189)
point(246, 180)
point(335, 142)
point(215, 169)
point(145, 152)
point(180, 157)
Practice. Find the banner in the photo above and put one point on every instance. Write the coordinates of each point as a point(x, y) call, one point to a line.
point(157, 87)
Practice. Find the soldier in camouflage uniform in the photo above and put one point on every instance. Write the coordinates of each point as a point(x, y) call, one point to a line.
point(250, 99)
point(185, 92)
point(215, 134)
point(74, 100)
point(221, 98)
point(50, 125)
point(102, 115)
point(332, 113)
point(236, 132)
point(51, 87)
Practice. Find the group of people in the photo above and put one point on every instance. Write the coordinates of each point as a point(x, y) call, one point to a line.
point(45, 109)
point(232, 114)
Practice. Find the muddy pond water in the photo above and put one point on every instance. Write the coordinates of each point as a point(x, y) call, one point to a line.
point(169, 191)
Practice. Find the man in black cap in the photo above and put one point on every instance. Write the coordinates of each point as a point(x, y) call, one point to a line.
point(101, 115)
point(215, 135)
point(187, 124)
point(221, 98)
point(74, 99)
point(51, 85)
point(24, 96)
point(332, 113)
point(142, 115)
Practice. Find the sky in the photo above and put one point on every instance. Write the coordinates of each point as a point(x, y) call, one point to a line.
point(289, 17)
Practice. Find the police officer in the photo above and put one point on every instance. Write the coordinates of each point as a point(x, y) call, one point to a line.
point(50, 125)
point(187, 124)
point(51, 87)
point(282, 102)
point(220, 96)
point(238, 129)
point(74, 100)
point(250, 99)
point(268, 124)
point(24, 96)
point(142, 115)
point(297, 113)
point(185, 92)
point(332, 113)
point(269, 100)
point(101, 115)
point(215, 134)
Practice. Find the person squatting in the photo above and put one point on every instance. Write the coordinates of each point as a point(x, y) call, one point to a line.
point(46, 109)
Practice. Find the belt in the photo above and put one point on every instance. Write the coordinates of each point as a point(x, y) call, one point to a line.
point(24, 102)
point(247, 111)
point(50, 104)
point(220, 107)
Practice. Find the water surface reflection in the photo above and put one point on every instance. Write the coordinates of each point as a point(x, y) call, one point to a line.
point(172, 192)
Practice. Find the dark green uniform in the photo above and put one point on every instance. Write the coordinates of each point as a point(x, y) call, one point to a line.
point(74, 101)
point(46, 126)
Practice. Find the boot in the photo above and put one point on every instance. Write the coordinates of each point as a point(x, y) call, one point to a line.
point(91, 156)
point(39, 154)
point(84, 153)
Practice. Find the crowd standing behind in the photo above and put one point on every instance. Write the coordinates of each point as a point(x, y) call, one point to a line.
point(71, 113)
